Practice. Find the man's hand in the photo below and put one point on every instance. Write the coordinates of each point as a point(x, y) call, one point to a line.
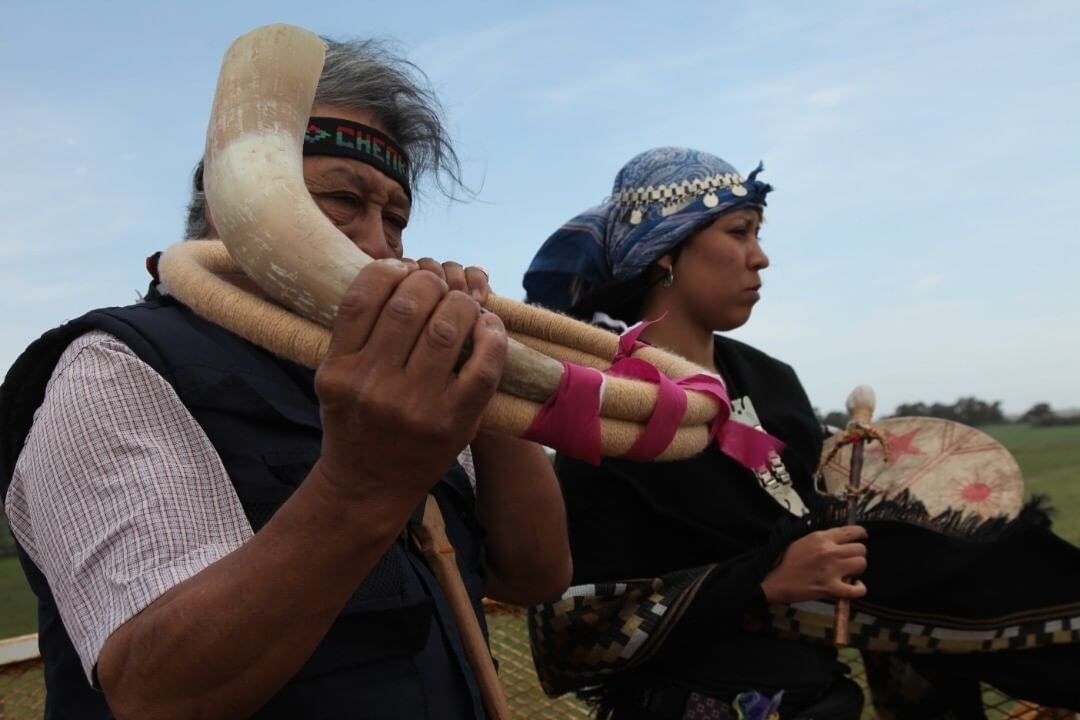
point(395, 413)
point(472, 280)
point(815, 566)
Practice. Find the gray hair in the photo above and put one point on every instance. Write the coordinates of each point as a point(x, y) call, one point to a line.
point(369, 75)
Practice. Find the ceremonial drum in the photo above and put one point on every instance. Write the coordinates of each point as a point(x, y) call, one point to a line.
point(954, 471)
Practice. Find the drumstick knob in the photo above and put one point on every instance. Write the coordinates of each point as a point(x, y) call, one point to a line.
point(860, 403)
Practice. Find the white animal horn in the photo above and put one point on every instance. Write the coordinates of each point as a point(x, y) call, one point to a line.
point(261, 207)
point(254, 175)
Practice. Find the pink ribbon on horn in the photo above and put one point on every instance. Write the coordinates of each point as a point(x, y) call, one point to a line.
point(628, 341)
point(749, 446)
point(667, 414)
point(569, 420)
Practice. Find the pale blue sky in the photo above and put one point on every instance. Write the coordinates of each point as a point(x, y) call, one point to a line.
point(924, 230)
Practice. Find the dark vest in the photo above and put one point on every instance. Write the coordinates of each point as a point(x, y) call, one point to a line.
point(394, 652)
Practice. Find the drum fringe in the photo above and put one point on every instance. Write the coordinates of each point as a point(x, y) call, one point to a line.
point(907, 509)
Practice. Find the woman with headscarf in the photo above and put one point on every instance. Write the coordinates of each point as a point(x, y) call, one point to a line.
point(677, 242)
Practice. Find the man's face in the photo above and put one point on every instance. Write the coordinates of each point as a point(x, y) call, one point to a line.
point(370, 208)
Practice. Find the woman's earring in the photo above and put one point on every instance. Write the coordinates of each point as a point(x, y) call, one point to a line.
point(669, 279)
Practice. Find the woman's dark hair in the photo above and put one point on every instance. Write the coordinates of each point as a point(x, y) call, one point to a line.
point(624, 299)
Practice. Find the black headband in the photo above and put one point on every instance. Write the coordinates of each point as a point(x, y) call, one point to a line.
point(345, 138)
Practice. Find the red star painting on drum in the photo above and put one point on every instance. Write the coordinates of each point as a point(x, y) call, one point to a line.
point(899, 445)
point(942, 464)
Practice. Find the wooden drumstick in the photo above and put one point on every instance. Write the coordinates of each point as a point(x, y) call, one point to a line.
point(860, 406)
point(430, 536)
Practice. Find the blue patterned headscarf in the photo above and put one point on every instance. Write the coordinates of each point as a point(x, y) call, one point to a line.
point(660, 198)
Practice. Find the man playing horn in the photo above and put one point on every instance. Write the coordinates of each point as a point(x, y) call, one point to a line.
point(215, 532)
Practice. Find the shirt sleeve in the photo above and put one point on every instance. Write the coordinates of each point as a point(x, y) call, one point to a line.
point(465, 460)
point(732, 590)
point(118, 494)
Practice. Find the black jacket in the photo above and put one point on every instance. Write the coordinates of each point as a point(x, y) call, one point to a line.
point(632, 520)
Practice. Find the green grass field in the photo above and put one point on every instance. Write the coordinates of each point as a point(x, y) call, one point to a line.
point(17, 606)
point(1050, 460)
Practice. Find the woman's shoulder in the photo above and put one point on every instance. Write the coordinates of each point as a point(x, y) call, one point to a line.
point(730, 351)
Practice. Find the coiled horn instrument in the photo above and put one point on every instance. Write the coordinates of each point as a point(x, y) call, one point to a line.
point(273, 233)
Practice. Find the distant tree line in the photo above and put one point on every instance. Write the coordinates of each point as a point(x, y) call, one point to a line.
point(1042, 415)
point(969, 411)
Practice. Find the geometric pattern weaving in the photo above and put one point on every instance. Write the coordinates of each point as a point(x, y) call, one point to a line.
point(22, 687)
point(884, 630)
point(596, 630)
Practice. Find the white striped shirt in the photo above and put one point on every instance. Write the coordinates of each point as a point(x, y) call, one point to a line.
point(118, 494)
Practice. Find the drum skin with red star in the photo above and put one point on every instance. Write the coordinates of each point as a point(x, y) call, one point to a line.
point(943, 464)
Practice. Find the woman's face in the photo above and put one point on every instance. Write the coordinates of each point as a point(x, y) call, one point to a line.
point(718, 271)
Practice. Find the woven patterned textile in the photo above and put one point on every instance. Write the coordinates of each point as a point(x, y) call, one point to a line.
point(22, 686)
point(596, 630)
point(884, 630)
